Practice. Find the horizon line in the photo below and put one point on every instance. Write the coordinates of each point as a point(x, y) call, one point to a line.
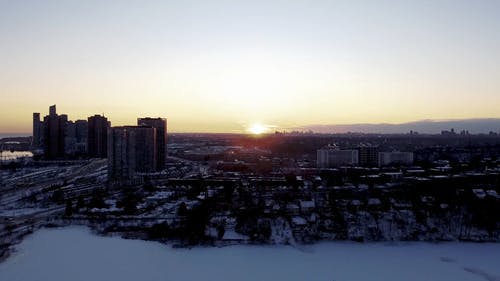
point(307, 127)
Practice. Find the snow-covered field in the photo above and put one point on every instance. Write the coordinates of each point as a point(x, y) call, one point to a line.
point(76, 254)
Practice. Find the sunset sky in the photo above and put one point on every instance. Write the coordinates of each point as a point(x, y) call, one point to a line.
point(222, 66)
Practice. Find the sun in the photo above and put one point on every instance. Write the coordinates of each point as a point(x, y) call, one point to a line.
point(257, 129)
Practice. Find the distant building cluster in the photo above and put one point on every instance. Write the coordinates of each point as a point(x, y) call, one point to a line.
point(130, 150)
point(60, 138)
point(366, 156)
point(453, 133)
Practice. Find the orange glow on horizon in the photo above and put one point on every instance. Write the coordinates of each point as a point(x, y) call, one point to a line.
point(258, 129)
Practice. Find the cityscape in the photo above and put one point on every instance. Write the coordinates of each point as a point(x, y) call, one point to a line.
point(280, 188)
point(265, 140)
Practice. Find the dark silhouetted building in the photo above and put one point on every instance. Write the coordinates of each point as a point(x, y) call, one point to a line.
point(160, 124)
point(54, 131)
point(131, 150)
point(368, 156)
point(70, 138)
point(81, 131)
point(37, 131)
point(97, 136)
point(81, 128)
point(395, 158)
point(76, 138)
point(52, 110)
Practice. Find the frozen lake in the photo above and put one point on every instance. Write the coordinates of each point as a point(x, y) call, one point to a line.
point(76, 254)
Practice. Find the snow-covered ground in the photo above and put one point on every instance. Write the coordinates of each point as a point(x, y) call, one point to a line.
point(76, 254)
point(7, 155)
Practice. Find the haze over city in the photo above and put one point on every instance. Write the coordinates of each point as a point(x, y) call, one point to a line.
point(221, 66)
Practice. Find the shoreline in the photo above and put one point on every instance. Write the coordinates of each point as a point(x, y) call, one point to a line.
point(12, 248)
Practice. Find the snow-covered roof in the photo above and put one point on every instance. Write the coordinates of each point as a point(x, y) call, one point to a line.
point(427, 199)
point(299, 221)
point(374, 201)
point(363, 186)
point(492, 193)
point(161, 195)
point(479, 193)
point(307, 204)
point(355, 202)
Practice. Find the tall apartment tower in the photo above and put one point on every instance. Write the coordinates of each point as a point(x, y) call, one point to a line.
point(131, 150)
point(160, 124)
point(37, 131)
point(54, 131)
point(81, 127)
point(70, 138)
point(97, 136)
point(368, 155)
point(52, 110)
point(333, 157)
point(75, 140)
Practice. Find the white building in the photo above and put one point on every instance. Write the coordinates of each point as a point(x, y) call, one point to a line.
point(333, 157)
point(395, 157)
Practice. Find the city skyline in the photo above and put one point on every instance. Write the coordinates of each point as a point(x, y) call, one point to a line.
point(225, 66)
point(249, 140)
point(429, 126)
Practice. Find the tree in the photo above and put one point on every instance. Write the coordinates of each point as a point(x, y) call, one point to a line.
point(182, 210)
point(220, 231)
point(58, 196)
point(80, 203)
point(158, 231)
point(196, 221)
point(129, 203)
point(265, 229)
point(148, 185)
point(97, 201)
point(69, 208)
point(32, 198)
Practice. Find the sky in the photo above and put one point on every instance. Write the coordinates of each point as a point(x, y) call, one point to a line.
point(221, 66)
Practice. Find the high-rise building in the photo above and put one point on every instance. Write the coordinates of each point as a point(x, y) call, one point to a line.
point(81, 131)
point(37, 131)
point(97, 136)
point(54, 131)
point(75, 140)
point(160, 124)
point(70, 138)
point(52, 110)
point(331, 157)
point(395, 157)
point(368, 155)
point(131, 150)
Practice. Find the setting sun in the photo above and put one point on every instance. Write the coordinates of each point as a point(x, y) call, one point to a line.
point(257, 129)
